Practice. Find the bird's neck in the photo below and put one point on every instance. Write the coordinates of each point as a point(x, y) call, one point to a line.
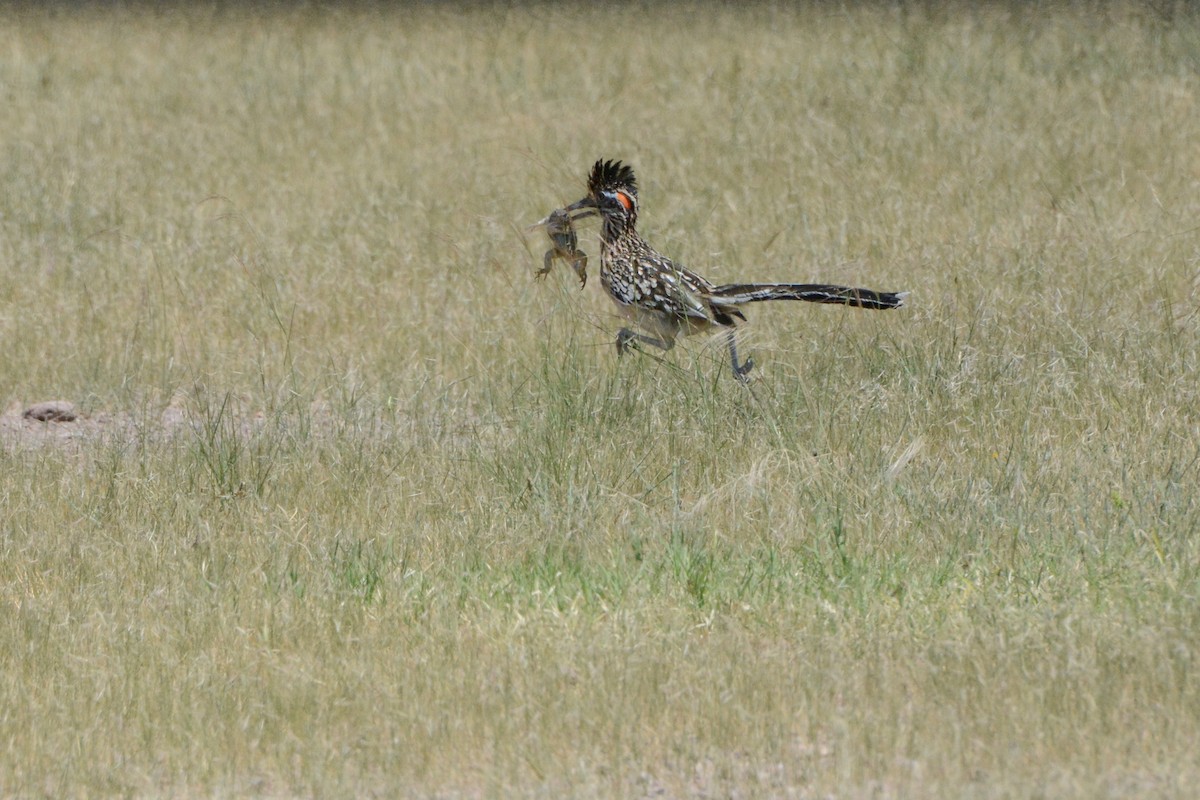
point(615, 229)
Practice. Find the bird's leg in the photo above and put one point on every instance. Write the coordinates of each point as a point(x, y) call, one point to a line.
point(625, 336)
point(740, 371)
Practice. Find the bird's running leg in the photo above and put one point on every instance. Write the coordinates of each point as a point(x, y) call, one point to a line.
point(626, 335)
point(740, 371)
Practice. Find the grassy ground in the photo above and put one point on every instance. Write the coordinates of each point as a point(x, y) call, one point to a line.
point(363, 508)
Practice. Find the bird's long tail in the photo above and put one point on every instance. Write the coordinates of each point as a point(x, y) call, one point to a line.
point(735, 294)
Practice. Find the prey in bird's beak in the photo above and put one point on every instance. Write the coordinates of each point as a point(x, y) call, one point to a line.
point(564, 243)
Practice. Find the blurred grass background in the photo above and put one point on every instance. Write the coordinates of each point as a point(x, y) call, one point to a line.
point(422, 534)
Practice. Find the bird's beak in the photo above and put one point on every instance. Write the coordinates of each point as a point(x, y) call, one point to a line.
point(587, 207)
point(577, 210)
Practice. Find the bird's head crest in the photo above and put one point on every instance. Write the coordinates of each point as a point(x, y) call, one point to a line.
point(612, 176)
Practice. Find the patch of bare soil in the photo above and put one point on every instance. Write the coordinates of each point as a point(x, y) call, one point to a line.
point(60, 423)
point(28, 426)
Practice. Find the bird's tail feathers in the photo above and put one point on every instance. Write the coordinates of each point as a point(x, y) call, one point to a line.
point(738, 293)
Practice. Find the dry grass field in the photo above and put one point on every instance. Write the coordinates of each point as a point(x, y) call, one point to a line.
point(356, 507)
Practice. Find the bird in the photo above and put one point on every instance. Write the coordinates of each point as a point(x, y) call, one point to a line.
point(664, 299)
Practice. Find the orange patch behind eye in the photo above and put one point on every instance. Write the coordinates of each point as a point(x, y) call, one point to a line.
point(625, 200)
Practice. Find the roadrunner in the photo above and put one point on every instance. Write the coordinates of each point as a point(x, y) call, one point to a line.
point(664, 298)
